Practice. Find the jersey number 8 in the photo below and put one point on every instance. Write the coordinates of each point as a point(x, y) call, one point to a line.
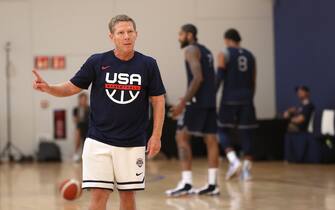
point(242, 63)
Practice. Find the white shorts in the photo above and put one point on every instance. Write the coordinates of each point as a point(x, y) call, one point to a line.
point(105, 166)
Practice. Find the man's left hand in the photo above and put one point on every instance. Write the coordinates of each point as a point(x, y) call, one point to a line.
point(154, 146)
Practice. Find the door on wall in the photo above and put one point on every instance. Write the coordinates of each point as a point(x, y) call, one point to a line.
point(15, 27)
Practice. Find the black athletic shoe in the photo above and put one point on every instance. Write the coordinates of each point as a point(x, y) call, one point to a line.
point(181, 189)
point(209, 189)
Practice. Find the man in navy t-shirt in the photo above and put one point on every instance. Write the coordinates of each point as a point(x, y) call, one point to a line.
point(122, 82)
point(300, 117)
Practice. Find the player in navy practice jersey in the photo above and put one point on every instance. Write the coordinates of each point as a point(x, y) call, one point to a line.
point(200, 113)
point(122, 82)
point(237, 70)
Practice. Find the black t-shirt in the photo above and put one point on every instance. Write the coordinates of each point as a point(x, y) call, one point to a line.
point(306, 110)
point(119, 99)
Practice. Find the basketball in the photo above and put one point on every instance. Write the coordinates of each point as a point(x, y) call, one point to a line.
point(70, 189)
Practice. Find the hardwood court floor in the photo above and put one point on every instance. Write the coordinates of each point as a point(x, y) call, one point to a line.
point(276, 186)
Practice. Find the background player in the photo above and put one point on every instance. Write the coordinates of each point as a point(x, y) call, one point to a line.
point(122, 82)
point(200, 114)
point(237, 68)
point(80, 118)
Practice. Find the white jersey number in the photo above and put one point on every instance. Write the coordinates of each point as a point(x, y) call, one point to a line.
point(242, 63)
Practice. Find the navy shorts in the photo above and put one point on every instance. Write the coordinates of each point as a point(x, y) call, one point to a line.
point(240, 116)
point(199, 121)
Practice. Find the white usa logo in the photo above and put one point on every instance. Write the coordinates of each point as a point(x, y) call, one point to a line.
point(128, 85)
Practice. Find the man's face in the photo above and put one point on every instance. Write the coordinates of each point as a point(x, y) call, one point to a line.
point(124, 36)
point(302, 94)
point(183, 39)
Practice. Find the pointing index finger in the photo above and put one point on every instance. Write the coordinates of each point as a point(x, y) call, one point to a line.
point(37, 75)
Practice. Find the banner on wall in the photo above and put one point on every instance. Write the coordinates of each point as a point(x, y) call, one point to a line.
point(41, 62)
point(60, 124)
point(52, 62)
point(58, 62)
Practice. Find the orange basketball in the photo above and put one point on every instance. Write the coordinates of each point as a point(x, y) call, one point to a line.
point(70, 189)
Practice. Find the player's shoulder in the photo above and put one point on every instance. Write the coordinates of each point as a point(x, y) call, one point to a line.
point(205, 49)
point(247, 51)
point(224, 51)
point(193, 49)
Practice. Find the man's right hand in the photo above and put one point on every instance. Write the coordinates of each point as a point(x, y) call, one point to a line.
point(39, 83)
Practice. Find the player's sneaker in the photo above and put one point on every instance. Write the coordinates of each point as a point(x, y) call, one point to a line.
point(208, 189)
point(246, 174)
point(76, 158)
point(181, 189)
point(234, 169)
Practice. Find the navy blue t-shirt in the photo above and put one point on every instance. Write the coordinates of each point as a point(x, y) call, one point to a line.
point(238, 77)
point(206, 95)
point(119, 100)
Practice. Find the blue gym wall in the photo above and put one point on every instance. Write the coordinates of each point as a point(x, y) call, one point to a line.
point(305, 51)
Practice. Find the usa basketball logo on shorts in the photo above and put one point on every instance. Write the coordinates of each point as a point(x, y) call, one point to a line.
point(139, 162)
point(123, 88)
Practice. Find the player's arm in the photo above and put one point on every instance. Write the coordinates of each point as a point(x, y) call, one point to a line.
point(220, 70)
point(192, 55)
point(298, 119)
point(59, 90)
point(158, 105)
point(289, 112)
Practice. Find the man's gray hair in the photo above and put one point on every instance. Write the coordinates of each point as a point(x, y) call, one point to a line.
point(120, 18)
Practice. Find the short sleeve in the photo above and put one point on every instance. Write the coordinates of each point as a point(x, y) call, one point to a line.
point(155, 85)
point(84, 77)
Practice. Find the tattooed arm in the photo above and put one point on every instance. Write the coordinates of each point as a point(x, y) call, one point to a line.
point(192, 55)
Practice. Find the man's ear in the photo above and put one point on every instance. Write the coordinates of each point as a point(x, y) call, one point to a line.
point(111, 35)
point(189, 36)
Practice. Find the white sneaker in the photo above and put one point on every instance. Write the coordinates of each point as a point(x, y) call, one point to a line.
point(208, 189)
point(76, 158)
point(246, 174)
point(181, 189)
point(234, 169)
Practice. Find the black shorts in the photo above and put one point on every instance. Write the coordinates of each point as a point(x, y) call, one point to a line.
point(199, 121)
point(240, 116)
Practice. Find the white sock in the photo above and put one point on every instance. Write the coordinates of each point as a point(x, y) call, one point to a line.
point(186, 177)
point(212, 176)
point(231, 156)
point(247, 164)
